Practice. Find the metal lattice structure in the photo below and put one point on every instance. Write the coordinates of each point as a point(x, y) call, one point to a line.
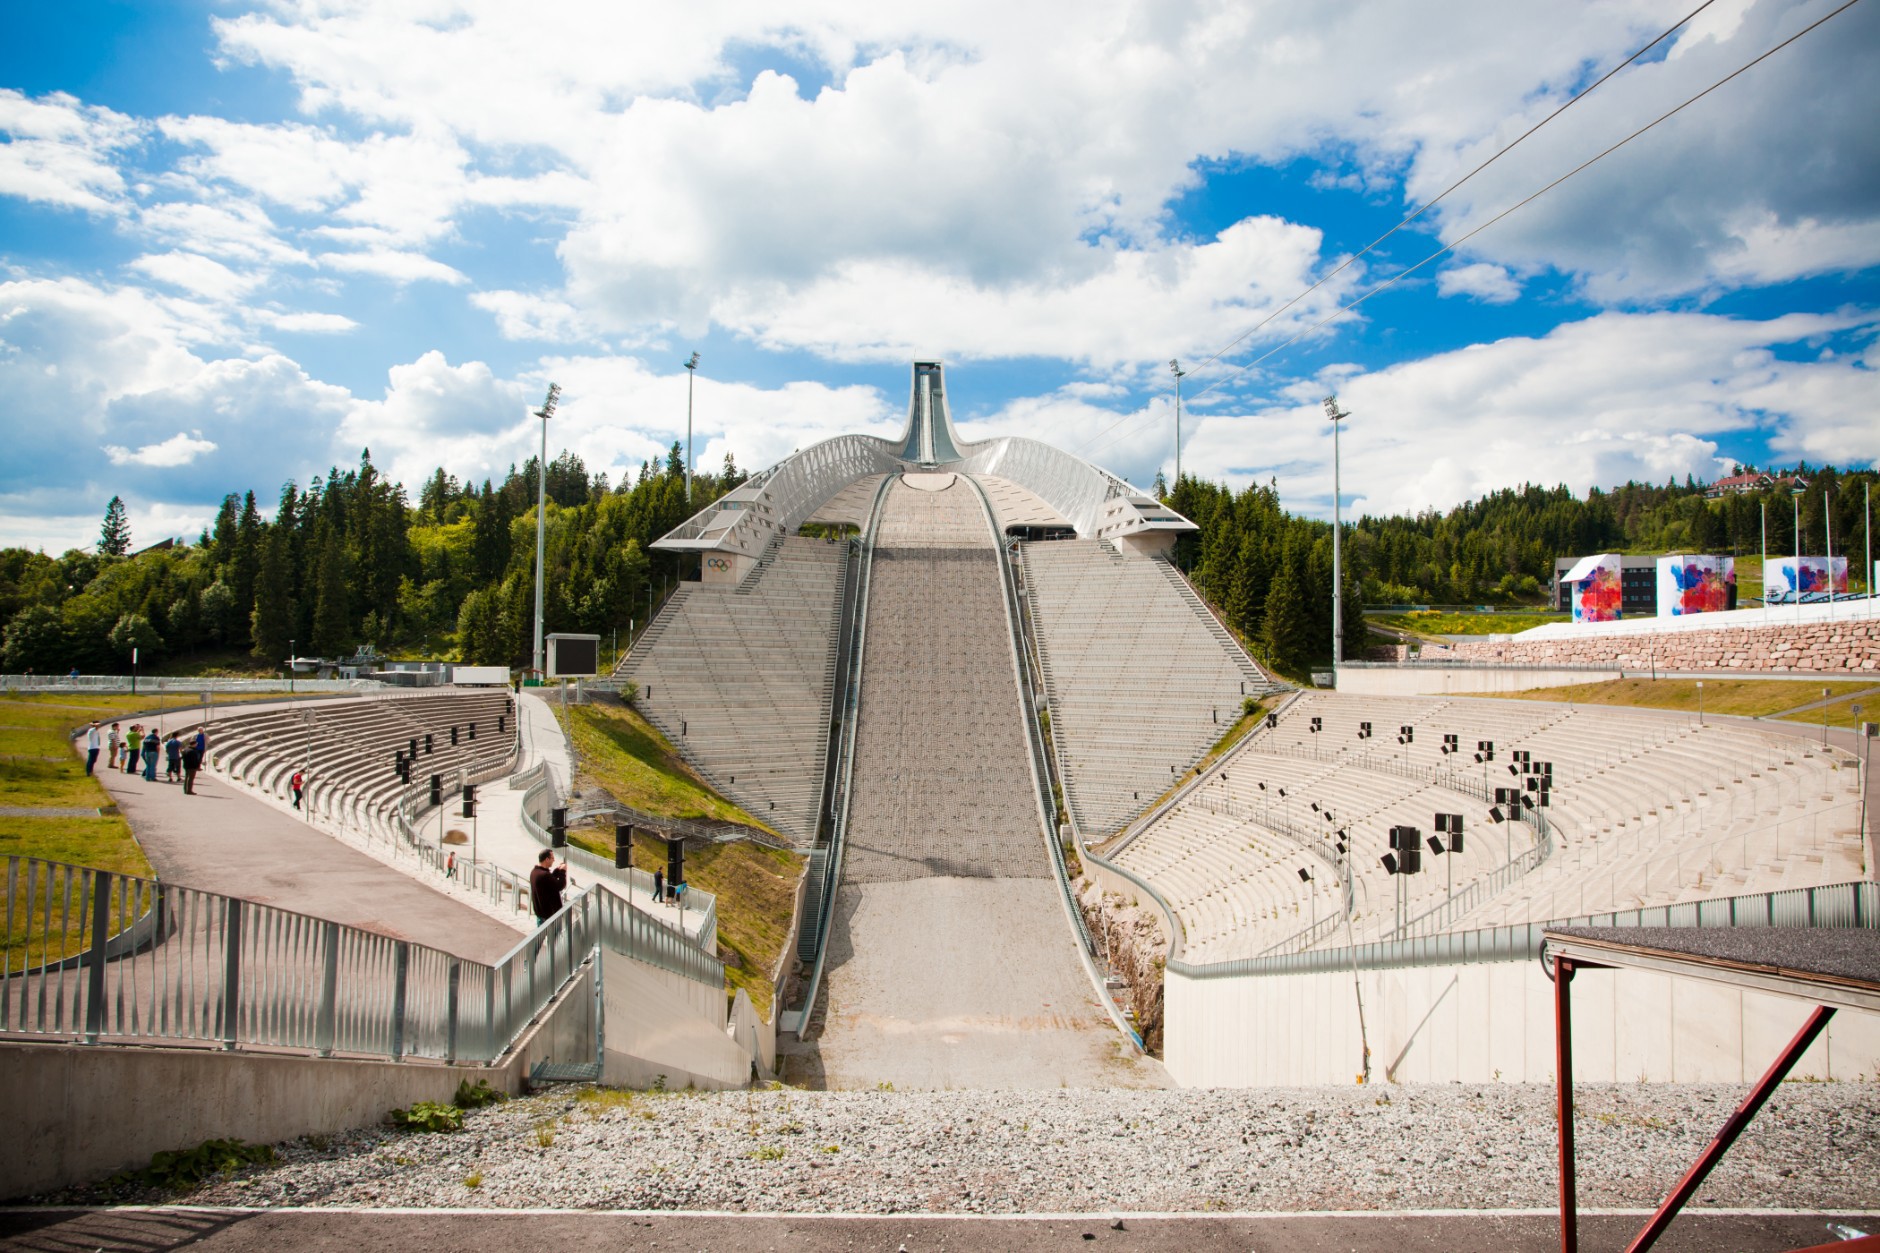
point(744, 520)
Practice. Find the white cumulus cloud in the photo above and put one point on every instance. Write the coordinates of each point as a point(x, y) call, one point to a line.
point(178, 450)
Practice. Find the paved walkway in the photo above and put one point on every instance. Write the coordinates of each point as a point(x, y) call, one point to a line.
point(224, 839)
point(346, 1231)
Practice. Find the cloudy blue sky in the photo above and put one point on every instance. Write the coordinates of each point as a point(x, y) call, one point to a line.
point(240, 240)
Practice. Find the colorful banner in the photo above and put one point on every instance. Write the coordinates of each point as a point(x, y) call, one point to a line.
point(1596, 591)
point(1694, 584)
point(1812, 581)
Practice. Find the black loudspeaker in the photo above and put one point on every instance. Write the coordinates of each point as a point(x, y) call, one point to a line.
point(437, 790)
point(473, 730)
point(1390, 863)
point(675, 862)
point(502, 723)
point(1411, 858)
point(623, 845)
point(1496, 816)
point(469, 800)
point(558, 828)
point(398, 765)
point(1272, 720)
point(430, 743)
point(1305, 876)
point(1455, 841)
point(1436, 846)
point(453, 737)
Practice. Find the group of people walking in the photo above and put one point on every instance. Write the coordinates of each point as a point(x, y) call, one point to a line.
point(140, 747)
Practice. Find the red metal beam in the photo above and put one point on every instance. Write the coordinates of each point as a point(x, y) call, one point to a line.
point(1563, 1113)
point(1731, 1129)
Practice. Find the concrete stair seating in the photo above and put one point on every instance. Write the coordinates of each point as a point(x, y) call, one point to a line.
point(351, 746)
point(1727, 840)
point(942, 782)
point(1234, 901)
point(740, 680)
point(1140, 678)
point(1647, 810)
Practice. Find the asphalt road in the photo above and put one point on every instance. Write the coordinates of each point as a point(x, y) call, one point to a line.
point(223, 840)
point(152, 1231)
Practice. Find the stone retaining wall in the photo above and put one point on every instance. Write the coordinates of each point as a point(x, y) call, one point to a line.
point(1824, 647)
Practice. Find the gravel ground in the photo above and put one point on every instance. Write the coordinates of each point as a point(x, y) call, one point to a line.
point(1458, 1146)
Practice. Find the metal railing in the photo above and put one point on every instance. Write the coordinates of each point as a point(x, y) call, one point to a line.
point(829, 864)
point(126, 683)
point(1841, 905)
point(196, 966)
point(536, 802)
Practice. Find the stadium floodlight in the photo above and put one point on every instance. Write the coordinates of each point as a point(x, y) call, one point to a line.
point(1175, 368)
point(546, 412)
point(1334, 413)
point(1795, 495)
point(691, 373)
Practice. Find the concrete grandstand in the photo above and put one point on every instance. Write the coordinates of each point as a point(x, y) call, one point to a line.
point(1000, 679)
point(986, 580)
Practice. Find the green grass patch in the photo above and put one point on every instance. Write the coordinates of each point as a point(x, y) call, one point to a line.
point(41, 771)
point(1841, 713)
point(1750, 698)
point(626, 755)
point(104, 843)
point(48, 923)
point(40, 783)
point(1432, 623)
point(756, 891)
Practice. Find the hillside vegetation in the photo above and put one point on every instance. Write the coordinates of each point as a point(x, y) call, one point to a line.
point(622, 753)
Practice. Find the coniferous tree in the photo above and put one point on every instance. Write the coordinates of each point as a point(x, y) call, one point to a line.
point(115, 539)
point(1286, 628)
point(246, 562)
point(332, 609)
point(272, 625)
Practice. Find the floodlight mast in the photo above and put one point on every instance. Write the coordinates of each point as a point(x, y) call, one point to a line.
point(691, 373)
point(1175, 368)
point(1334, 413)
point(546, 412)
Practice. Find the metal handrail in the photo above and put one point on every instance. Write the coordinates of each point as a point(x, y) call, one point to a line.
point(244, 974)
point(534, 810)
point(241, 973)
point(851, 709)
point(1840, 905)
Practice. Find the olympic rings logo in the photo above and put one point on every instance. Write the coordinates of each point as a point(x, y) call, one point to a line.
point(717, 563)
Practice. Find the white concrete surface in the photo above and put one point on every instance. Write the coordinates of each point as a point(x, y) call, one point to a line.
point(1492, 1022)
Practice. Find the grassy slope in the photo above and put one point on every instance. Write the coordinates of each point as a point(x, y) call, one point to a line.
point(1747, 697)
point(38, 770)
point(1841, 713)
point(755, 886)
point(626, 754)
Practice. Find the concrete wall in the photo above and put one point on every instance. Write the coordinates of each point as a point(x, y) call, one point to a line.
point(661, 1024)
point(1808, 647)
point(1492, 1021)
point(76, 1113)
point(1438, 680)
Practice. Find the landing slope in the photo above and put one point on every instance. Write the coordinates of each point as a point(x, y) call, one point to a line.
point(950, 961)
